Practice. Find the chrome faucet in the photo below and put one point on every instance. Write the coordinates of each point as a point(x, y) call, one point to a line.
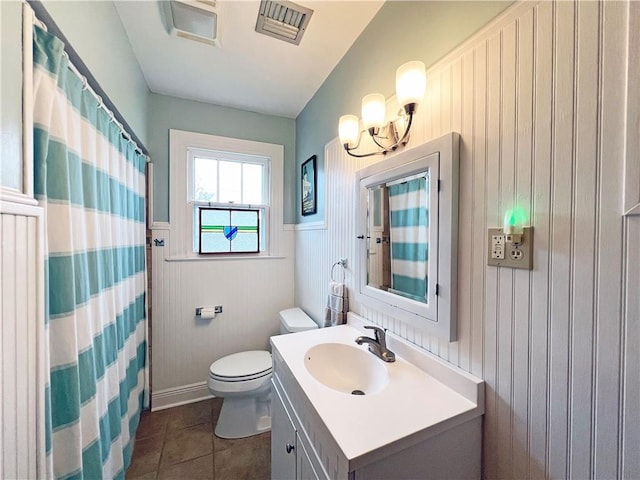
point(378, 345)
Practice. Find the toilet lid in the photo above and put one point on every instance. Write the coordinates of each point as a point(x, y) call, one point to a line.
point(295, 320)
point(243, 364)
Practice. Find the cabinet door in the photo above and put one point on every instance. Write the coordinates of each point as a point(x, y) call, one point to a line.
point(304, 465)
point(283, 440)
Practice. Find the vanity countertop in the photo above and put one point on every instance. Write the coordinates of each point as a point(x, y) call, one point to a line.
point(425, 396)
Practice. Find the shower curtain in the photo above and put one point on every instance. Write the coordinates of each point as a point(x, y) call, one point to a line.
point(90, 181)
point(409, 220)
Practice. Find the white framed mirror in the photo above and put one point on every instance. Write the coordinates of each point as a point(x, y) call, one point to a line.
point(407, 224)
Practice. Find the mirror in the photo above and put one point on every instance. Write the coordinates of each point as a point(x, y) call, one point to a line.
point(407, 220)
point(398, 236)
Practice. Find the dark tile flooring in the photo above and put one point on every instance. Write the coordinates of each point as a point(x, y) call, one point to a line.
point(178, 443)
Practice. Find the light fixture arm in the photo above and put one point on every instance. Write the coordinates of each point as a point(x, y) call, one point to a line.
point(357, 155)
point(375, 140)
point(384, 149)
point(349, 149)
point(406, 131)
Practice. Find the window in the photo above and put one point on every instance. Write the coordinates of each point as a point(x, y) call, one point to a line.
point(235, 177)
point(229, 193)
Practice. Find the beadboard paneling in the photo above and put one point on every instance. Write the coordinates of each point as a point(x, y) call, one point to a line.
point(539, 100)
point(21, 329)
point(251, 292)
point(630, 398)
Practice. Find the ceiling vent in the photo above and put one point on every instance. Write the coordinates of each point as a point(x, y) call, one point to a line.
point(193, 19)
point(283, 20)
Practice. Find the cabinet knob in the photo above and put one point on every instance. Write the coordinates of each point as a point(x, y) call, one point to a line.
point(290, 448)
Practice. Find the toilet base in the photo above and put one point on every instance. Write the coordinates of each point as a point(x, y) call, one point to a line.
point(244, 416)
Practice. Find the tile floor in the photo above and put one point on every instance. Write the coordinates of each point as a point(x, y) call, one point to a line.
point(178, 443)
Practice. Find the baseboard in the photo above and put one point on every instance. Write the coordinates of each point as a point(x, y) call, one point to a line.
point(173, 397)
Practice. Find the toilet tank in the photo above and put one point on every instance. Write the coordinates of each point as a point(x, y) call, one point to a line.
point(295, 320)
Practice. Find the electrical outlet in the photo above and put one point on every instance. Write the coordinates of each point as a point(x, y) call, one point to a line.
point(497, 247)
point(516, 254)
point(514, 251)
point(497, 252)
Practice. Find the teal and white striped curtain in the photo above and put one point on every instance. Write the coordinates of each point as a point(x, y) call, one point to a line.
point(409, 219)
point(91, 182)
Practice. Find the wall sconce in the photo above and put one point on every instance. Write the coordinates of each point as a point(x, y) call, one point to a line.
point(411, 81)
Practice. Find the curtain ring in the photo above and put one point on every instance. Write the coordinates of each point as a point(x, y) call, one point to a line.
point(333, 269)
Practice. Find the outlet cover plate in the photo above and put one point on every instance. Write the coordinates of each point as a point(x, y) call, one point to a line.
point(515, 256)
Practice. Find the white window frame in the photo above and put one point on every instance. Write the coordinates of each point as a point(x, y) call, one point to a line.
point(264, 206)
point(181, 218)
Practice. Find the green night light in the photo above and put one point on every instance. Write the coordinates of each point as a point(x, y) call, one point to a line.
point(515, 220)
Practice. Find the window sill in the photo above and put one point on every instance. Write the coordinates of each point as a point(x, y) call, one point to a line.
point(223, 258)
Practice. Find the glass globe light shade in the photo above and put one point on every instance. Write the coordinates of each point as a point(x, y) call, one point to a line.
point(349, 130)
point(373, 111)
point(411, 83)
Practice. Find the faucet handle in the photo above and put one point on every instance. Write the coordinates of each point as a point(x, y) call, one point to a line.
point(379, 332)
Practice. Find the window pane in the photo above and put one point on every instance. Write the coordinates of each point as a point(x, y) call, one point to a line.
point(246, 239)
point(214, 243)
point(229, 231)
point(205, 180)
point(252, 183)
point(230, 182)
point(212, 225)
point(213, 219)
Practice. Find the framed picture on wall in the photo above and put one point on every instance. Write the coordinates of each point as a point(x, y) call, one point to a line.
point(308, 179)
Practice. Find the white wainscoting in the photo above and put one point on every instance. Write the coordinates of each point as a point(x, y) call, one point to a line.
point(251, 292)
point(21, 342)
point(538, 97)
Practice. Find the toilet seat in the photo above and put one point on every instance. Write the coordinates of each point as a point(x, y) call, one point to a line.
point(241, 367)
point(243, 381)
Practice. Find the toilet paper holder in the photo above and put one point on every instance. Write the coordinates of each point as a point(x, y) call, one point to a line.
point(216, 309)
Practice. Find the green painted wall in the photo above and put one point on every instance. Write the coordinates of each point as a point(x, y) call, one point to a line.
point(95, 31)
point(167, 113)
point(11, 94)
point(400, 32)
point(104, 47)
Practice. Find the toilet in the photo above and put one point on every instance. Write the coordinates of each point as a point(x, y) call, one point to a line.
point(243, 380)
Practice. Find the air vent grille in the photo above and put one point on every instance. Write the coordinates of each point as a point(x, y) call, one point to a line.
point(283, 20)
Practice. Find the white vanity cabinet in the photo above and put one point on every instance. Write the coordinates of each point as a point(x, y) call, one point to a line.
point(426, 423)
point(289, 457)
point(295, 426)
point(283, 439)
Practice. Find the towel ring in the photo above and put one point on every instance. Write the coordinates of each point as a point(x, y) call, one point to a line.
point(333, 269)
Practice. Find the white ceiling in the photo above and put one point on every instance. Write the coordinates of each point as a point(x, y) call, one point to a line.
point(249, 71)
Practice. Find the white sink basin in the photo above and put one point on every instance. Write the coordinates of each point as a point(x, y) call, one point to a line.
point(414, 399)
point(346, 368)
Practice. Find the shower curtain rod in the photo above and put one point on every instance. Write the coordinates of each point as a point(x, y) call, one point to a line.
point(81, 70)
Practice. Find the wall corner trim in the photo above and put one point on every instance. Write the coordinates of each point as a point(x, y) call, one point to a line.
point(319, 225)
